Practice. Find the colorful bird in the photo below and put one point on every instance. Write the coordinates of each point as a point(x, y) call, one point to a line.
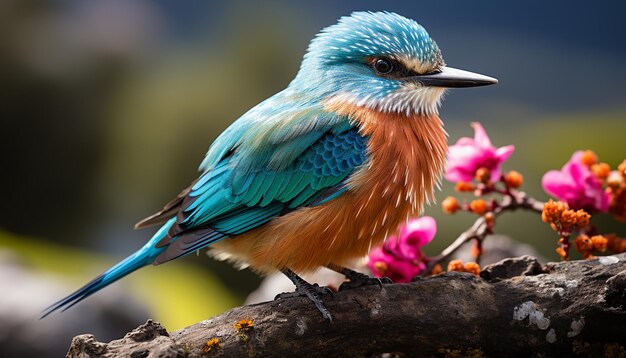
point(322, 171)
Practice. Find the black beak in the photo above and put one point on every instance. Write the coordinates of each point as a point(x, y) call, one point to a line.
point(453, 78)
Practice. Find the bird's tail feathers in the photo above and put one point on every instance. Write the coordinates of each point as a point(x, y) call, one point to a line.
point(139, 259)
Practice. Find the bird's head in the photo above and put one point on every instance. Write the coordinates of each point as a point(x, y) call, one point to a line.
point(383, 61)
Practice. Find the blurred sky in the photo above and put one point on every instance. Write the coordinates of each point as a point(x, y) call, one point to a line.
point(109, 106)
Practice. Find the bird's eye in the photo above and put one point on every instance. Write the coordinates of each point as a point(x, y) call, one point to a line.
point(383, 66)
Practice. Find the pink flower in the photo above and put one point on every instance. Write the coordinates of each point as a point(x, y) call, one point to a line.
point(400, 258)
point(577, 186)
point(468, 155)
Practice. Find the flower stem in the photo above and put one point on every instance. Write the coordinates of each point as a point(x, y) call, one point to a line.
point(480, 229)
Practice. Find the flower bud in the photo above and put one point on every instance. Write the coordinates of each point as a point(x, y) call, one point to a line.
point(552, 210)
point(568, 218)
point(463, 186)
point(583, 244)
point(614, 180)
point(582, 218)
point(599, 243)
point(483, 175)
point(450, 205)
point(622, 169)
point(601, 170)
point(513, 179)
point(589, 158)
point(615, 244)
point(479, 206)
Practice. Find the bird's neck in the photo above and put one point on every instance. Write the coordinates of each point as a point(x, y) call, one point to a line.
point(406, 153)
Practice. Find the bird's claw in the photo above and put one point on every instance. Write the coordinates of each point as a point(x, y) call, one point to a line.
point(300, 292)
point(358, 279)
point(315, 293)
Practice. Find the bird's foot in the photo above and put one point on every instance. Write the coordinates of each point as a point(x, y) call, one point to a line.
point(311, 289)
point(314, 292)
point(358, 279)
point(363, 280)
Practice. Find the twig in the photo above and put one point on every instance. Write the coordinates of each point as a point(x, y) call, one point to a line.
point(480, 229)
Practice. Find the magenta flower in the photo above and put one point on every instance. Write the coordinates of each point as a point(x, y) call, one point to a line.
point(577, 186)
point(400, 258)
point(468, 155)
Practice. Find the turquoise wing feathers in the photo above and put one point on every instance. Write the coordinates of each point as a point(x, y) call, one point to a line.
point(219, 192)
point(265, 165)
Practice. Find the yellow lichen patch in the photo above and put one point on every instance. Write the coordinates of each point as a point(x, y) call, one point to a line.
point(436, 269)
point(244, 325)
point(471, 267)
point(211, 344)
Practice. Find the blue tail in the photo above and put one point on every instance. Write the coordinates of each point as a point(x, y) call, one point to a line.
point(139, 259)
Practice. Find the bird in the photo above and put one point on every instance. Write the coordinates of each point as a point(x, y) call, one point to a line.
point(324, 170)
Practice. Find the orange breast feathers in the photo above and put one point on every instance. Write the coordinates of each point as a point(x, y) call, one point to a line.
point(405, 161)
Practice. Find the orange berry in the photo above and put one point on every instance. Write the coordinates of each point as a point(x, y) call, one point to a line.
point(479, 206)
point(589, 158)
point(483, 175)
point(561, 252)
point(601, 170)
point(463, 187)
point(450, 205)
point(513, 179)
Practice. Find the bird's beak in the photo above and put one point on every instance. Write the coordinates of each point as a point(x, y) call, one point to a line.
point(453, 78)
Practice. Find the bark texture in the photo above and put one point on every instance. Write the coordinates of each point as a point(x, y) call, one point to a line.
point(516, 308)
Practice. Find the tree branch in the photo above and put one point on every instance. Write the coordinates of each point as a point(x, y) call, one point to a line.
point(517, 307)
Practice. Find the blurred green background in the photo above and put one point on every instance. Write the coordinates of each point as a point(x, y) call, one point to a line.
point(109, 106)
